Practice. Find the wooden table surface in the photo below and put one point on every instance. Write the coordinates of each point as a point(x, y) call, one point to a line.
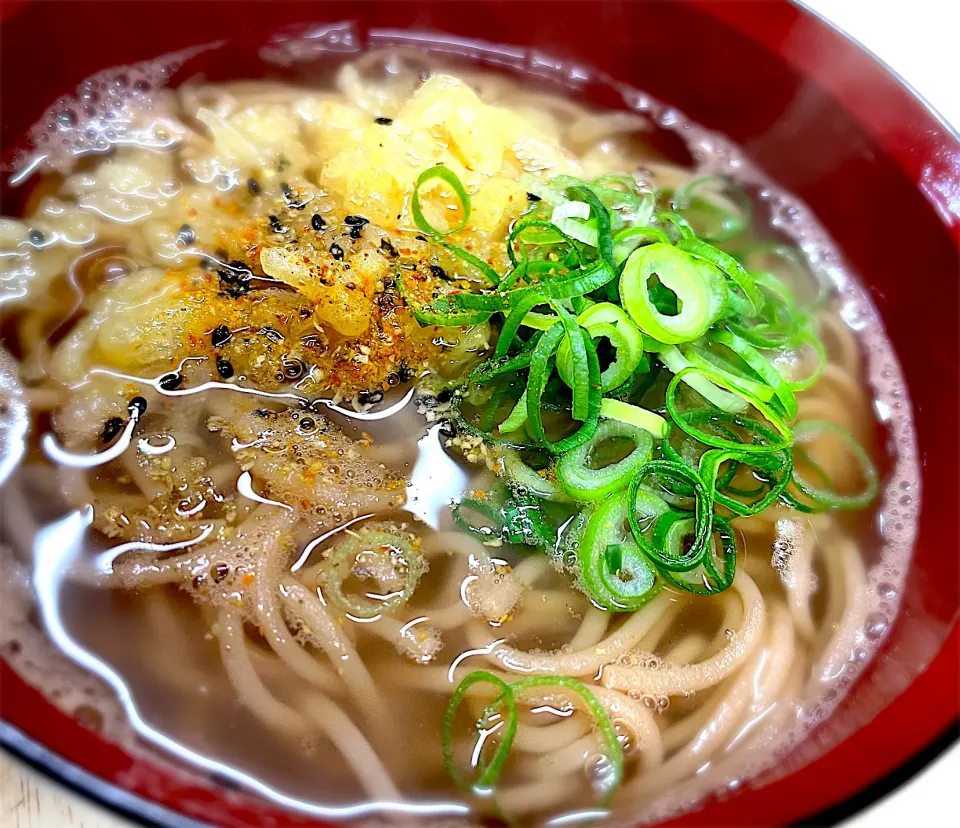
point(27, 800)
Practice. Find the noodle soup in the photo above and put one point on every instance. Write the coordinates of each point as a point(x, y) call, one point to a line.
point(426, 446)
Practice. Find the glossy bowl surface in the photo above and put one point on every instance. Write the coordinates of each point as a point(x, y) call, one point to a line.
point(819, 115)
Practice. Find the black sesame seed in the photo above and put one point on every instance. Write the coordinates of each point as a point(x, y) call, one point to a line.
point(447, 429)
point(355, 221)
point(224, 367)
point(356, 233)
point(289, 197)
point(186, 235)
point(276, 225)
point(336, 251)
point(170, 382)
point(317, 222)
point(138, 404)
point(369, 397)
point(253, 186)
point(445, 396)
point(220, 336)
point(236, 278)
point(406, 374)
point(533, 198)
point(420, 238)
point(388, 248)
point(383, 121)
point(111, 428)
point(36, 237)
point(438, 271)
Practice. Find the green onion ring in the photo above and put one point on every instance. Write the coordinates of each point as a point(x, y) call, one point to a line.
point(446, 175)
point(338, 562)
point(785, 434)
point(679, 472)
point(699, 288)
point(491, 772)
point(807, 431)
point(584, 483)
point(539, 374)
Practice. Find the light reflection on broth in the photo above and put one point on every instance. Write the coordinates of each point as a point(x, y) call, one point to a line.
point(208, 437)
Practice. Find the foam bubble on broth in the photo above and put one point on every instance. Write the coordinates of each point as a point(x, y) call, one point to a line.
point(118, 106)
point(61, 140)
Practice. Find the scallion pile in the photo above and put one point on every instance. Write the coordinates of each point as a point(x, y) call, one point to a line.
point(642, 389)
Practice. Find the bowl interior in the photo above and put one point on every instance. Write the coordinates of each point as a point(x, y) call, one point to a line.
point(815, 113)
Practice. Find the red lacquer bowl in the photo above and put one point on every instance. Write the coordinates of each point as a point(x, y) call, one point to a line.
point(823, 119)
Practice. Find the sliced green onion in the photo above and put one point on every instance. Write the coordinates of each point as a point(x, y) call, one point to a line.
point(699, 288)
point(601, 216)
point(444, 312)
point(492, 368)
point(634, 415)
point(776, 467)
point(728, 224)
point(678, 222)
point(546, 233)
point(605, 729)
point(446, 175)
point(630, 238)
point(772, 469)
point(784, 434)
point(676, 362)
point(514, 519)
point(478, 264)
point(675, 558)
point(577, 283)
point(489, 773)
point(517, 417)
point(702, 354)
point(584, 482)
point(764, 369)
point(540, 321)
point(707, 578)
point(342, 561)
point(565, 216)
point(543, 191)
point(809, 430)
point(532, 481)
point(799, 269)
point(609, 320)
point(634, 581)
point(577, 355)
point(819, 349)
point(539, 374)
point(514, 320)
point(752, 298)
